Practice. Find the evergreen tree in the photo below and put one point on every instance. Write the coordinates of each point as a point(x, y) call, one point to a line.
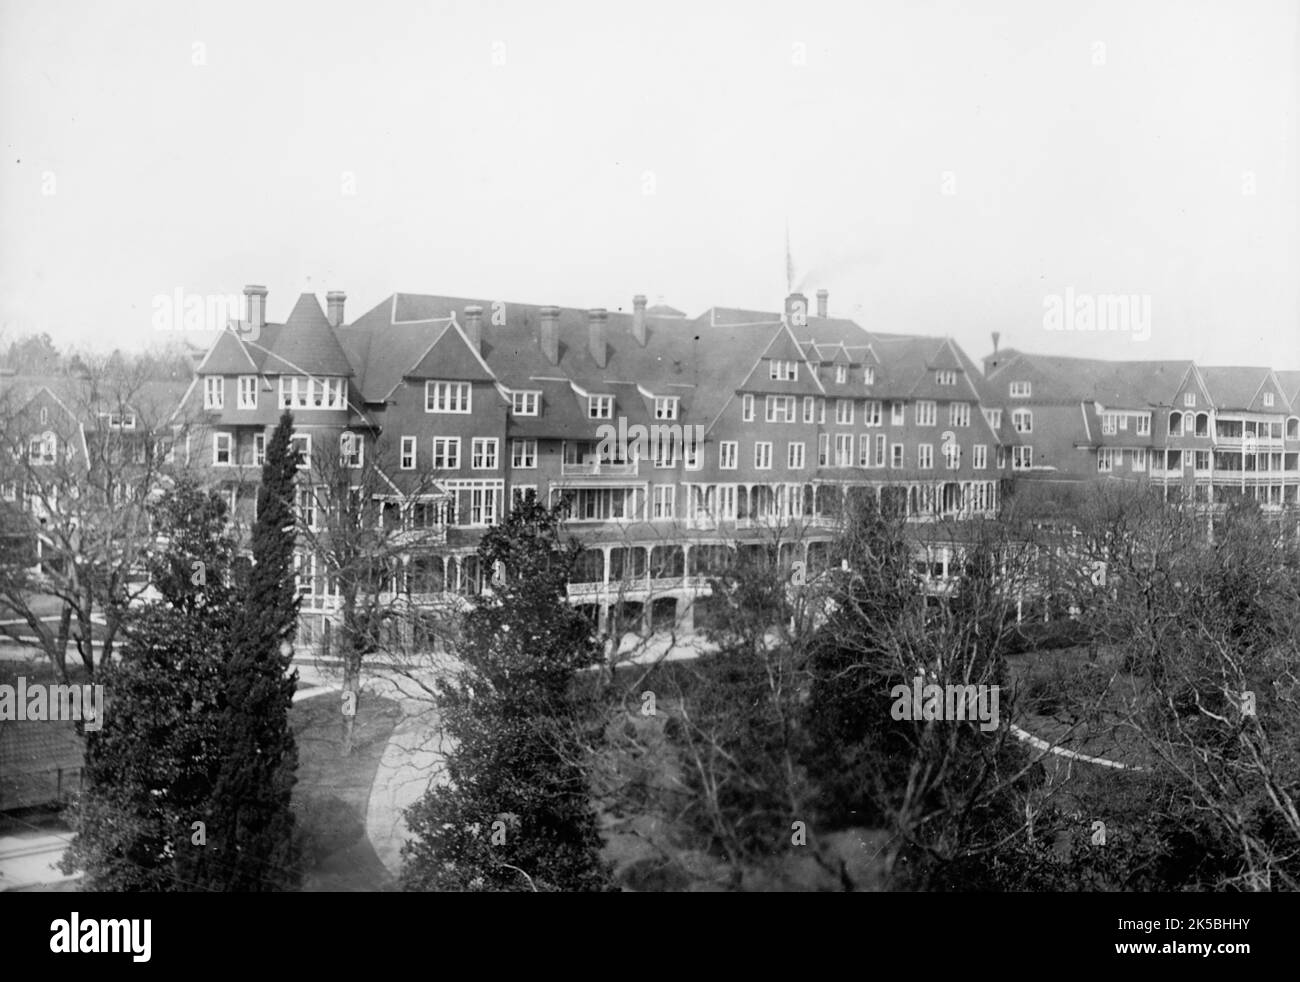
point(150, 769)
point(250, 828)
point(517, 813)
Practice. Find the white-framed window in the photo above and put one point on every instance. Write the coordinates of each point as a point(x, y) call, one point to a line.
point(869, 375)
point(1189, 399)
point(665, 498)
point(523, 454)
point(447, 397)
point(248, 392)
point(692, 452)
point(482, 506)
point(864, 450)
point(780, 409)
point(446, 453)
point(44, 449)
point(926, 412)
point(786, 371)
point(979, 456)
point(821, 410)
point(121, 420)
point(666, 407)
point(844, 412)
point(945, 376)
point(763, 455)
point(307, 508)
point(9, 491)
point(808, 403)
point(1001, 458)
point(600, 407)
point(518, 492)
point(352, 449)
point(1106, 459)
point(304, 392)
point(959, 414)
point(303, 442)
point(407, 461)
point(1107, 424)
point(896, 410)
point(1139, 459)
point(1022, 458)
point(727, 452)
point(483, 453)
point(994, 418)
point(841, 374)
point(1143, 425)
point(880, 450)
point(304, 572)
point(213, 392)
point(951, 455)
point(664, 446)
point(45, 415)
point(823, 450)
point(524, 403)
point(843, 449)
point(871, 413)
point(1021, 390)
point(896, 455)
point(925, 456)
point(223, 449)
point(794, 456)
point(259, 449)
point(747, 408)
point(1022, 420)
point(1202, 461)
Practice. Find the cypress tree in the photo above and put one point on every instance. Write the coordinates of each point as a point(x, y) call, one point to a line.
point(250, 831)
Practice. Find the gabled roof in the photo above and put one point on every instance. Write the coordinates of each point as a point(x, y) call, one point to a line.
point(1240, 387)
point(1114, 384)
point(1290, 383)
point(307, 345)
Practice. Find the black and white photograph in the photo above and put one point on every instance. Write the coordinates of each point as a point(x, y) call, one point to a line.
point(697, 447)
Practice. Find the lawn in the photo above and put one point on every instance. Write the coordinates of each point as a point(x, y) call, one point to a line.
point(332, 792)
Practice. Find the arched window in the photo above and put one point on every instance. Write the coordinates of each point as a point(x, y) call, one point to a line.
point(1202, 424)
point(1293, 428)
point(1175, 424)
point(1189, 424)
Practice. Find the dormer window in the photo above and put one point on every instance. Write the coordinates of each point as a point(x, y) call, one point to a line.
point(869, 375)
point(524, 403)
point(119, 420)
point(1021, 390)
point(783, 371)
point(945, 376)
point(600, 407)
point(665, 407)
point(841, 374)
point(447, 397)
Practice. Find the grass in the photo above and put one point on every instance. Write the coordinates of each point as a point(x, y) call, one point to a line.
point(333, 791)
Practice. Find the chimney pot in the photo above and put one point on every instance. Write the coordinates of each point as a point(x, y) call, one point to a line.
point(597, 342)
point(638, 319)
point(549, 334)
point(255, 305)
point(474, 327)
point(823, 301)
point(334, 301)
point(997, 335)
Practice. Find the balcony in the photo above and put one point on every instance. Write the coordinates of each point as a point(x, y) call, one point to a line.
point(595, 467)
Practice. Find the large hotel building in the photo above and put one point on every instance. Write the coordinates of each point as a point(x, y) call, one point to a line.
point(675, 439)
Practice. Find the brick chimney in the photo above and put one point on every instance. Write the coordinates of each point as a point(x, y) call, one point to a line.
point(796, 310)
point(597, 342)
point(474, 327)
point(823, 301)
point(334, 301)
point(255, 306)
point(549, 334)
point(638, 319)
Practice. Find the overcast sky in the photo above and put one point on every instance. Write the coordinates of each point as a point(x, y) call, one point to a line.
point(943, 167)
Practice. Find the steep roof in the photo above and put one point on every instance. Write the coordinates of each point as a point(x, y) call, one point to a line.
point(1235, 387)
point(307, 345)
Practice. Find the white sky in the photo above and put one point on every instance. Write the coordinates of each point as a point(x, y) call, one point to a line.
point(527, 180)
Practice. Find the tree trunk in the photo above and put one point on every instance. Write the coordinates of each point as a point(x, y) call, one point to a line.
point(351, 697)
